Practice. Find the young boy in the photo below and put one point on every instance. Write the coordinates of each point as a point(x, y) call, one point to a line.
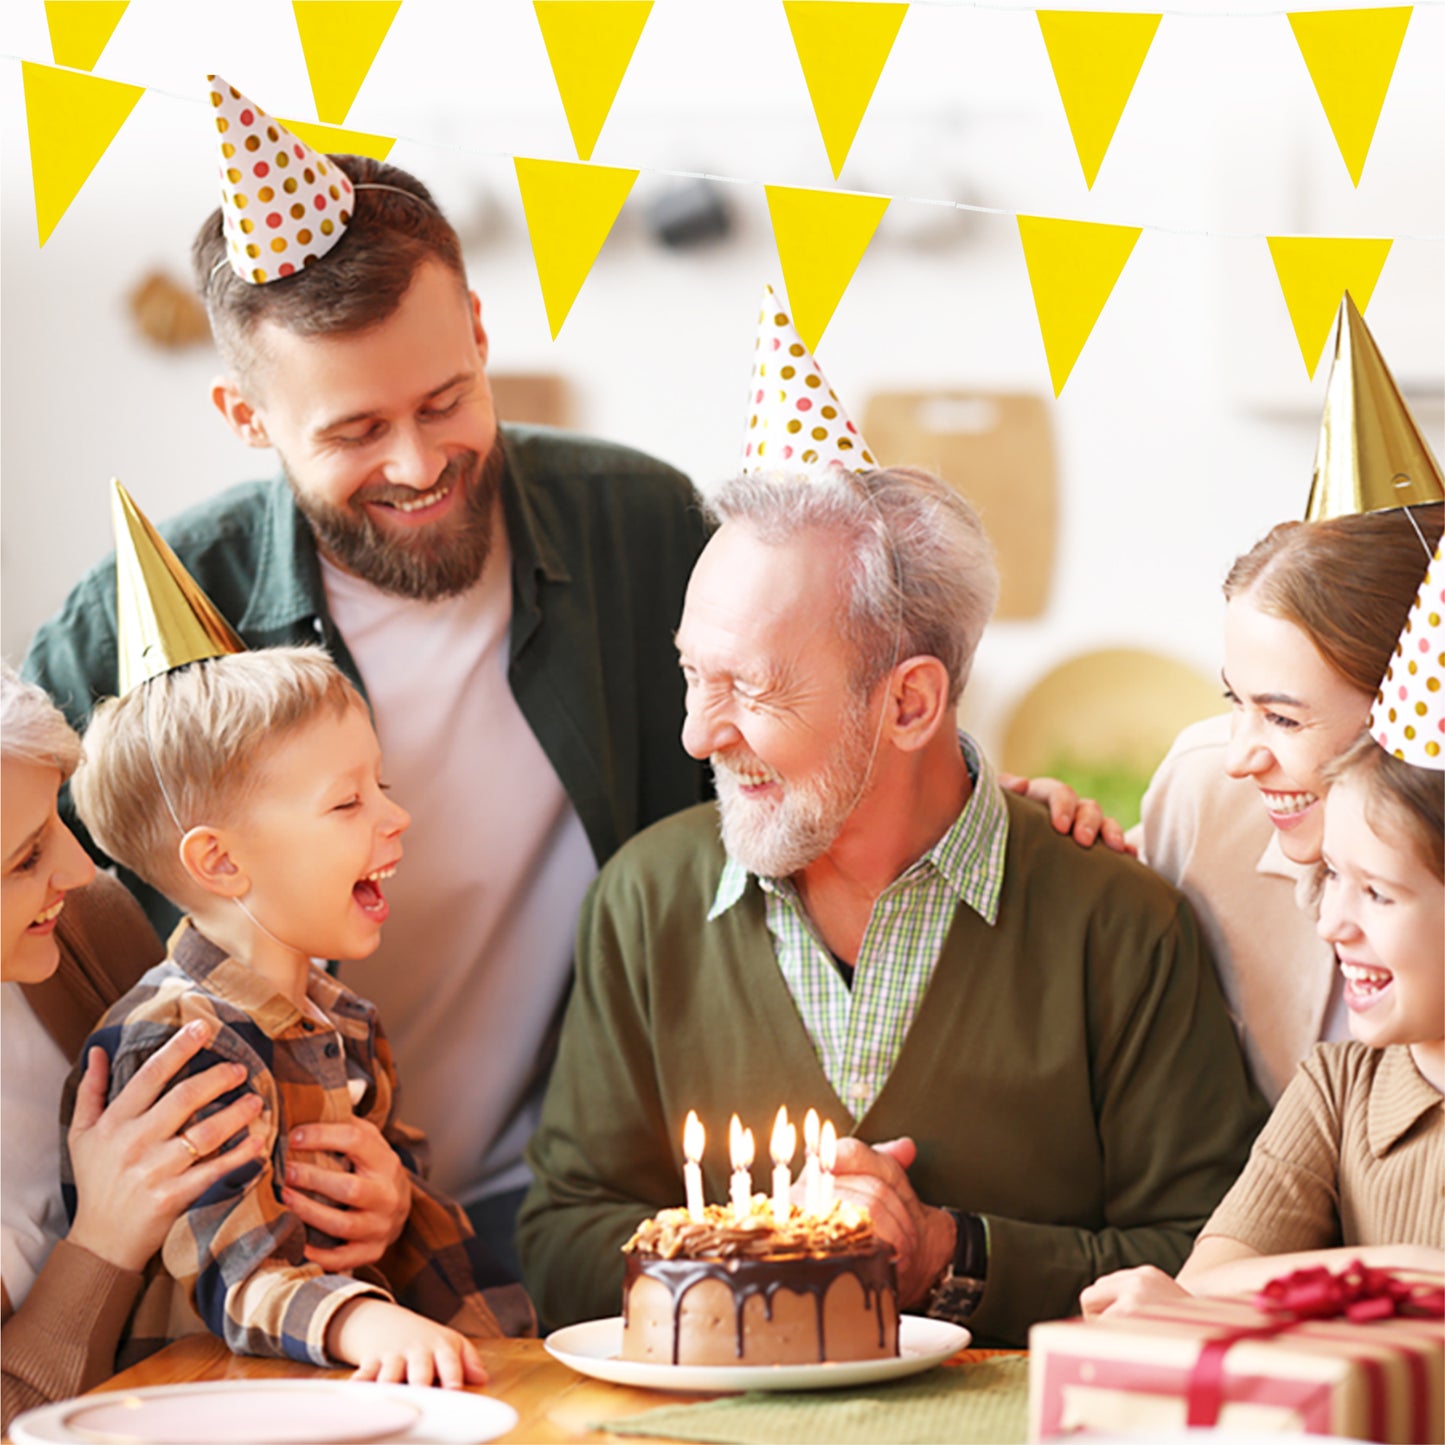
point(247, 788)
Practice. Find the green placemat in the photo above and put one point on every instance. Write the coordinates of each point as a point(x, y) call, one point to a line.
point(979, 1403)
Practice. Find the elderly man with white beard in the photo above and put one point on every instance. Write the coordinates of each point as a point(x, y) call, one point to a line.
point(1022, 1040)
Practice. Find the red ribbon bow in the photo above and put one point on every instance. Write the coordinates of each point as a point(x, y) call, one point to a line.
point(1358, 1294)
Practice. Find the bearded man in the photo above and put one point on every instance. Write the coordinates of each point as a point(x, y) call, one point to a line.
point(1023, 1040)
point(504, 596)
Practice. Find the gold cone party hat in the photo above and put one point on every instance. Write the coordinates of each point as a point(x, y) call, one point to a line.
point(1371, 455)
point(283, 205)
point(795, 421)
point(1408, 718)
point(162, 619)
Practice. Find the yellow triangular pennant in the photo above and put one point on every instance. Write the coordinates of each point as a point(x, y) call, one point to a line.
point(1314, 274)
point(72, 117)
point(339, 39)
point(1096, 58)
point(590, 45)
point(570, 209)
point(1351, 57)
point(338, 140)
point(79, 29)
point(821, 237)
point(843, 48)
point(1073, 266)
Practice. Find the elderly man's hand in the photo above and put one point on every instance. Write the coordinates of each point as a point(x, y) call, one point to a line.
point(924, 1237)
point(374, 1198)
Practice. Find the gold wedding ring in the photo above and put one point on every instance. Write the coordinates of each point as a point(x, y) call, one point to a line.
point(186, 1140)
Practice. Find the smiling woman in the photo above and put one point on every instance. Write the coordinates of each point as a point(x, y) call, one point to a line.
point(69, 948)
point(1314, 610)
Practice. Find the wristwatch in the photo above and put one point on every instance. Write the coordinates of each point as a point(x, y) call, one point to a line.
point(959, 1288)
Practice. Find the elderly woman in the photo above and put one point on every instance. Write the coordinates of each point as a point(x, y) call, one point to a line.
point(69, 947)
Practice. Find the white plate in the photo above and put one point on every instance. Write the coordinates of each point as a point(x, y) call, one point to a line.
point(267, 1412)
point(593, 1349)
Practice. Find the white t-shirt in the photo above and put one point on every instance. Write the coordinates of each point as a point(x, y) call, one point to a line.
point(477, 953)
point(32, 1073)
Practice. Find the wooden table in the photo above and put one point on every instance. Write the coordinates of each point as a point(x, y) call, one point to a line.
point(552, 1402)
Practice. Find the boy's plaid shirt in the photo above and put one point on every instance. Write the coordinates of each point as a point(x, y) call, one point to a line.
point(234, 1262)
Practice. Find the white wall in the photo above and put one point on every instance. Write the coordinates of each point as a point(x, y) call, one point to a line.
point(1186, 430)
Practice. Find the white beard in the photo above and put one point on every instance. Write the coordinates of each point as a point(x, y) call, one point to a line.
point(776, 838)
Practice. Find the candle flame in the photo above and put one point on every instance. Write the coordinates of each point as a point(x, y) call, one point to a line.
point(784, 1142)
point(810, 1131)
point(694, 1138)
point(828, 1147)
point(740, 1145)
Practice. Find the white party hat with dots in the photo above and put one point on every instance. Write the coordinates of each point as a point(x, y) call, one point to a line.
point(1408, 718)
point(795, 421)
point(282, 204)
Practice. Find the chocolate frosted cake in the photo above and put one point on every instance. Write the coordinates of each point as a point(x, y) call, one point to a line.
point(758, 1292)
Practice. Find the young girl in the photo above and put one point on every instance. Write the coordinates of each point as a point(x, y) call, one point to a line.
point(1349, 1164)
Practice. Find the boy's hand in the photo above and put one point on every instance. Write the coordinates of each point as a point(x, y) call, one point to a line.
point(375, 1197)
point(393, 1346)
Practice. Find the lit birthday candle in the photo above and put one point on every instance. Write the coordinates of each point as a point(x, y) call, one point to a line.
point(811, 1178)
point(740, 1148)
point(827, 1160)
point(782, 1147)
point(694, 1140)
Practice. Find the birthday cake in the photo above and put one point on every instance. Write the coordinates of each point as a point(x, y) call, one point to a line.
point(758, 1291)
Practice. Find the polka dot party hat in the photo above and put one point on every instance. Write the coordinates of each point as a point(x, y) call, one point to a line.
point(795, 421)
point(282, 204)
point(1408, 718)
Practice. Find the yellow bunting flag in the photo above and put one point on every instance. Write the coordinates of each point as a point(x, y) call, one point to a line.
point(843, 48)
point(338, 140)
point(72, 117)
point(1314, 274)
point(590, 45)
point(821, 237)
point(79, 29)
point(570, 209)
point(339, 39)
point(1073, 266)
point(1351, 57)
point(1096, 58)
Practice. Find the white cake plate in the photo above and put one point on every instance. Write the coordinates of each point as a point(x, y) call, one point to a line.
point(593, 1349)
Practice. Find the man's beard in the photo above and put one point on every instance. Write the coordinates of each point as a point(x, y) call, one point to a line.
point(426, 564)
point(775, 839)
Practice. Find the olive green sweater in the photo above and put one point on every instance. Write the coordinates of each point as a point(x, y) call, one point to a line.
point(1071, 1075)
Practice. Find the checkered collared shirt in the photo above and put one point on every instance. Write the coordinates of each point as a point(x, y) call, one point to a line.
point(859, 1032)
point(234, 1262)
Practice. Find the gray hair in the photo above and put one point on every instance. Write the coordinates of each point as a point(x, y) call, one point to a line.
point(32, 728)
point(920, 579)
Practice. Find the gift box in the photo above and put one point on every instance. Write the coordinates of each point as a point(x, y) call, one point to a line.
point(1243, 1364)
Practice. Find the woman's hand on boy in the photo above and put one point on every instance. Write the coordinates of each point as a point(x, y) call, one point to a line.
point(393, 1345)
point(138, 1164)
point(373, 1200)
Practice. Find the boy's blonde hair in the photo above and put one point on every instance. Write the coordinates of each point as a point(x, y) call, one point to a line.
point(210, 724)
point(1401, 800)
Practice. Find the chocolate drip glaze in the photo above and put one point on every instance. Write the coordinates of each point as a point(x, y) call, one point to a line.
point(811, 1274)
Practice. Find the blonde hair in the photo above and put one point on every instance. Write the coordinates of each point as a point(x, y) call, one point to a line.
point(1400, 799)
point(192, 741)
point(1346, 583)
point(32, 728)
